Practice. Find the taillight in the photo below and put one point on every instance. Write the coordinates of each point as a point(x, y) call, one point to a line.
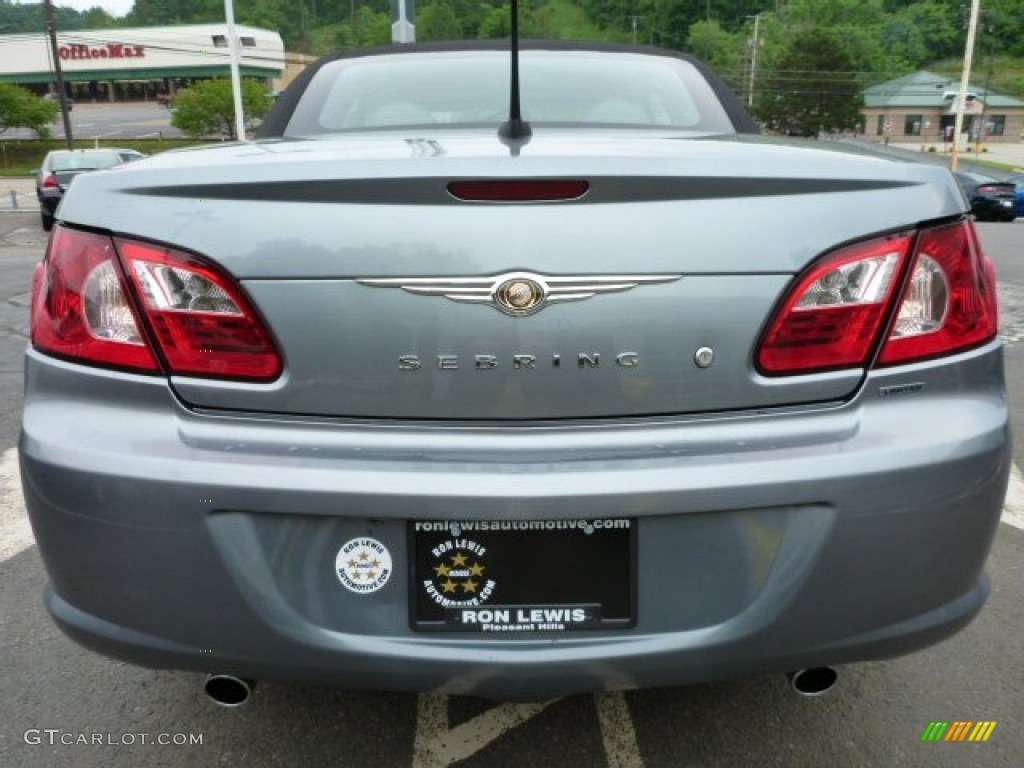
point(949, 303)
point(90, 306)
point(51, 182)
point(833, 316)
point(81, 308)
point(836, 313)
point(201, 322)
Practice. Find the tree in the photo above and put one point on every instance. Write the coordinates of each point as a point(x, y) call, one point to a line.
point(97, 18)
point(20, 108)
point(495, 23)
point(371, 27)
point(939, 26)
point(721, 49)
point(437, 21)
point(811, 87)
point(207, 108)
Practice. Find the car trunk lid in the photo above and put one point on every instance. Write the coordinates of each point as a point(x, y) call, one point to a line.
point(392, 299)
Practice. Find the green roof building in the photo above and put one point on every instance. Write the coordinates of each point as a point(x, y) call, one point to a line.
point(921, 108)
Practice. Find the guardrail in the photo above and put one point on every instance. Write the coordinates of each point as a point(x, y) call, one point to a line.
point(17, 201)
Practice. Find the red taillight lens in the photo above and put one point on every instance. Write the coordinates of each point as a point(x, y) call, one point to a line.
point(834, 316)
point(89, 306)
point(51, 182)
point(949, 303)
point(81, 308)
point(200, 319)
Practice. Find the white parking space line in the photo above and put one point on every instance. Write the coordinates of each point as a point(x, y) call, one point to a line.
point(437, 745)
point(617, 732)
point(1013, 509)
point(15, 532)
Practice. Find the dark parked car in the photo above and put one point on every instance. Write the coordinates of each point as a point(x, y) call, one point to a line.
point(61, 166)
point(990, 199)
point(419, 393)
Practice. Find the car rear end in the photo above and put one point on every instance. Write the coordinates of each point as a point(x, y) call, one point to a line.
point(49, 191)
point(409, 414)
point(990, 198)
point(60, 168)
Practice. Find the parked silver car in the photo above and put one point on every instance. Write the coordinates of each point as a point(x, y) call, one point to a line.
point(62, 165)
point(415, 394)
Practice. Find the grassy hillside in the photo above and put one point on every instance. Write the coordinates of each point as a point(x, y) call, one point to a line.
point(1007, 73)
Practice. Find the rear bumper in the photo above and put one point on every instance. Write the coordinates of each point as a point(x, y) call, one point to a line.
point(998, 209)
point(49, 203)
point(764, 542)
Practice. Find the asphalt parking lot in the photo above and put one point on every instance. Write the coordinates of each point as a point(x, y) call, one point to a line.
point(63, 706)
point(122, 120)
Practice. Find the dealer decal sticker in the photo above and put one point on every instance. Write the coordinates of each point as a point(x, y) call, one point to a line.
point(460, 576)
point(363, 565)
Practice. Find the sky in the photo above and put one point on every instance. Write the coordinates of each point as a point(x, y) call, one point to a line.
point(113, 7)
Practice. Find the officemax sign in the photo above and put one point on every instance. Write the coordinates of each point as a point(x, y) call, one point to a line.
point(108, 51)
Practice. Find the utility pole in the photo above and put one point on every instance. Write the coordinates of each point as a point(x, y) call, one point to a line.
point(236, 76)
point(635, 21)
point(987, 27)
point(51, 29)
point(961, 99)
point(753, 59)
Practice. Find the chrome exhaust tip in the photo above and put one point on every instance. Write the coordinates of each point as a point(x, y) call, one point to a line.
point(228, 690)
point(816, 681)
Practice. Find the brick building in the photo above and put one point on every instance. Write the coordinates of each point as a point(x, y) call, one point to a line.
point(921, 108)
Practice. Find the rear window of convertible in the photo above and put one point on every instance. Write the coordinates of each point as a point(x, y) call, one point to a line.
point(91, 161)
point(471, 88)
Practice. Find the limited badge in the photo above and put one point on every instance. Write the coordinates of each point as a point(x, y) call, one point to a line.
point(363, 565)
point(459, 574)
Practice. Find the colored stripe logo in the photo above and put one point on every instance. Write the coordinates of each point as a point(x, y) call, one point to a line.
point(958, 730)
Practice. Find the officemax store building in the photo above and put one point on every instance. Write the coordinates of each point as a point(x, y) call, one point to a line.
point(137, 64)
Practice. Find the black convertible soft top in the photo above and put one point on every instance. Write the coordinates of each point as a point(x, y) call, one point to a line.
point(281, 114)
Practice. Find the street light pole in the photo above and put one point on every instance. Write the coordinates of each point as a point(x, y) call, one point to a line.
point(236, 78)
point(51, 29)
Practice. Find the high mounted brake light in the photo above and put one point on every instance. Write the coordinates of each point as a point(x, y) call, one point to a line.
point(519, 190)
point(116, 302)
point(837, 311)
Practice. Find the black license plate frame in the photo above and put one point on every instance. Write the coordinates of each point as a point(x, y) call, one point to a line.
point(522, 577)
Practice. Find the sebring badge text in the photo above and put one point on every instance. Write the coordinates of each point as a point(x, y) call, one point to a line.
point(515, 362)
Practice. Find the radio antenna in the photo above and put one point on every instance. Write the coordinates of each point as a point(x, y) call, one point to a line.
point(515, 127)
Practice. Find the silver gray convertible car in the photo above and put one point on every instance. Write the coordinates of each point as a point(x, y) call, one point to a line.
point(418, 393)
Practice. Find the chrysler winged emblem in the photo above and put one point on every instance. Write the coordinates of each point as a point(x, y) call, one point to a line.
point(517, 293)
